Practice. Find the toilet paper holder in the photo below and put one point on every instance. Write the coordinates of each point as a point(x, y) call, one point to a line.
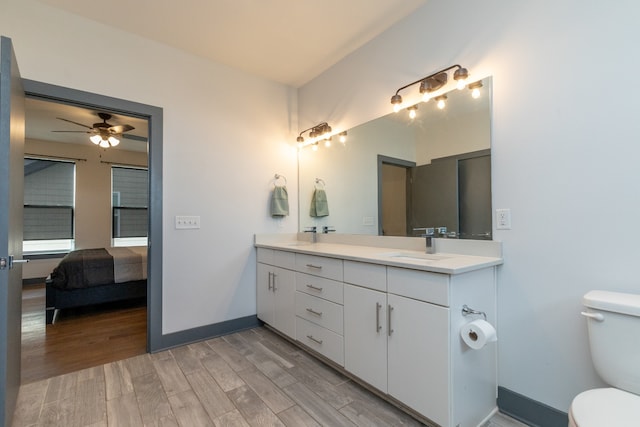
point(467, 311)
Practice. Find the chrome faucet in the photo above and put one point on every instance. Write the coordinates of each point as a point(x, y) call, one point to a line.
point(326, 229)
point(429, 236)
point(314, 234)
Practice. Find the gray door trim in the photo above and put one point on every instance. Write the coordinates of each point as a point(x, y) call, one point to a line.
point(45, 91)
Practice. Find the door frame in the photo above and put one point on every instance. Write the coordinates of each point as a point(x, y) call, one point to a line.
point(154, 115)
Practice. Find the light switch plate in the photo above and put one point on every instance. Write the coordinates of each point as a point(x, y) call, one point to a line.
point(187, 222)
point(503, 219)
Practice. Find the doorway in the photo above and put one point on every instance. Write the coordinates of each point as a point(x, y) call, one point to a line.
point(153, 115)
point(394, 196)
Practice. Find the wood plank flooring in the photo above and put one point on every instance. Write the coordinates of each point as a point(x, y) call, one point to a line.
point(250, 378)
point(80, 338)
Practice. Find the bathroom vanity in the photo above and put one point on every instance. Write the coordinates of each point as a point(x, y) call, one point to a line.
point(390, 316)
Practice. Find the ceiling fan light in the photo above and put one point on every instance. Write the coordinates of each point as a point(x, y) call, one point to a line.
point(113, 141)
point(104, 143)
point(95, 139)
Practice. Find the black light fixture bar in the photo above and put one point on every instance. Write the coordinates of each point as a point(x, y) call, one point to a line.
point(315, 131)
point(432, 82)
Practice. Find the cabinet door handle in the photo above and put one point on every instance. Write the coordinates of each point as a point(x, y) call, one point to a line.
point(319, 267)
point(274, 282)
point(378, 326)
point(314, 339)
point(389, 310)
point(315, 288)
point(269, 281)
point(312, 311)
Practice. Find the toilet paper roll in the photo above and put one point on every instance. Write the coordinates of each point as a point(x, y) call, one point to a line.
point(478, 333)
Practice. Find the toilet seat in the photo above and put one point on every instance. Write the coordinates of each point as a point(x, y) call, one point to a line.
point(605, 407)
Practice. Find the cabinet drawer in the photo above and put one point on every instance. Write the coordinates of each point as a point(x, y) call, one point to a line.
point(324, 341)
point(319, 311)
point(278, 258)
point(419, 285)
point(319, 286)
point(372, 276)
point(330, 268)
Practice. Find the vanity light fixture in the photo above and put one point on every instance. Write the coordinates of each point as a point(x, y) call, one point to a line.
point(343, 136)
point(412, 111)
point(432, 83)
point(441, 101)
point(475, 89)
point(321, 130)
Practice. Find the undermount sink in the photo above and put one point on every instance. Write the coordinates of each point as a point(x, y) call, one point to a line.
point(416, 256)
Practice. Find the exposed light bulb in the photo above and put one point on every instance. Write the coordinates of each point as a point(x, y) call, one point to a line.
point(426, 96)
point(327, 142)
point(104, 143)
point(462, 83)
point(441, 104)
point(412, 114)
point(343, 137)
point(95, 139)
point(396, 108)
point(475, 93)
point(314, 147)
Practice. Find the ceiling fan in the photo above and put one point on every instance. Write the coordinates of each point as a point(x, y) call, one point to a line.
point(102, 133)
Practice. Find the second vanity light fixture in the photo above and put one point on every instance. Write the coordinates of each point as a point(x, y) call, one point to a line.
point(432, 83)
point(317, 133)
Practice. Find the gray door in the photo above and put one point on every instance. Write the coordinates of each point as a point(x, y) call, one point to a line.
point(475, 198)
point(435, 195)
point(11, 203)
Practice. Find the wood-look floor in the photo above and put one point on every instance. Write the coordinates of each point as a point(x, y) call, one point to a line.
point(250, 378)
point(80, 338)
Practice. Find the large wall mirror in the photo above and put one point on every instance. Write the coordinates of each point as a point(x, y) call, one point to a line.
point(396, 176)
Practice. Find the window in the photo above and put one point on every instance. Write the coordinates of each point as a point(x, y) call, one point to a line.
point(49, 187)
point(130, 199)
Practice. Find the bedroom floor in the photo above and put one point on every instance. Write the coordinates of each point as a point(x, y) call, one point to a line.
point(80, 338)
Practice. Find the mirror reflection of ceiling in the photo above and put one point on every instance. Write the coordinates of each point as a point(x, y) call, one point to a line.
point(42, 117)
point(350, 170)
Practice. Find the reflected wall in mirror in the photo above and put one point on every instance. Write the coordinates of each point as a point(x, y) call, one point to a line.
point(395, 174)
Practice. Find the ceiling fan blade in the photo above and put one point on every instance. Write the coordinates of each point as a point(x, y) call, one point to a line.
point(75, 123)
point(72, 131)
point(121, 128)
point(133, 137)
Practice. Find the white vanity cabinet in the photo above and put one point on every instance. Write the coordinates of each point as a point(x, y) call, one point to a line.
point(318, 305)
point(276, 290)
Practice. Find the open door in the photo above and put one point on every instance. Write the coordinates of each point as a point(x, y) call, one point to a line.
point(11, 205)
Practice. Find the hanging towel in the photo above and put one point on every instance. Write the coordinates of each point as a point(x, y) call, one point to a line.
point(319, 205)
point(279, 201)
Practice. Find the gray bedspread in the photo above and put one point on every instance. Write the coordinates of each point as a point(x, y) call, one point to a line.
point(94, 267)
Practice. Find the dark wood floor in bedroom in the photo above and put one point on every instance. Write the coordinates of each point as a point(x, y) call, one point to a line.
point(80, 338)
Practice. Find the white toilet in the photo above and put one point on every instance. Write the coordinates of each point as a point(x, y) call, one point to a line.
point(614, 338)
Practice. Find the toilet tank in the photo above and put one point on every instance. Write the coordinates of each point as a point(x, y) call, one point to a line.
point(614, 337)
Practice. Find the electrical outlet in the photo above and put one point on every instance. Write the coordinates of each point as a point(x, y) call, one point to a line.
point(368, 220)
point(503, 219)
point(187, 222)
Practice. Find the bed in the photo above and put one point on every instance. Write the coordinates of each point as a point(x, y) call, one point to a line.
point(95, 276)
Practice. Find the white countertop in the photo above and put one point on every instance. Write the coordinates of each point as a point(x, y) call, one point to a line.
point(448, 263)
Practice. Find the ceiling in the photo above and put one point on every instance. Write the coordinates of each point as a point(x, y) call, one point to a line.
point(287, 41)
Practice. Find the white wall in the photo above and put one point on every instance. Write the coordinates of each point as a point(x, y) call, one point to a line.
point(565, 149)
point(226, 134)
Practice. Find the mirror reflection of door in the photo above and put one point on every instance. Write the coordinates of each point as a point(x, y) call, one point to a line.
point(474, 176)
point(394, 196)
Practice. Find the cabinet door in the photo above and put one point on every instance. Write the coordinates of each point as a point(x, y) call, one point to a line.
point(284, 306)
point(418, 352)
point(365, 334)
point(264, 293)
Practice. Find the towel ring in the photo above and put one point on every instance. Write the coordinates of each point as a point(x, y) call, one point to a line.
point(319, 181)
point(277, 177)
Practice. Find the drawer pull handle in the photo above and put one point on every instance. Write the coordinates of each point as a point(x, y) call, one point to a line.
point(389, 310)
point(315, 288)
point(378, 326)
point(269, 282)
point(314, 339)
point(312, 311)
point(274, 282)
point(319, 267)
